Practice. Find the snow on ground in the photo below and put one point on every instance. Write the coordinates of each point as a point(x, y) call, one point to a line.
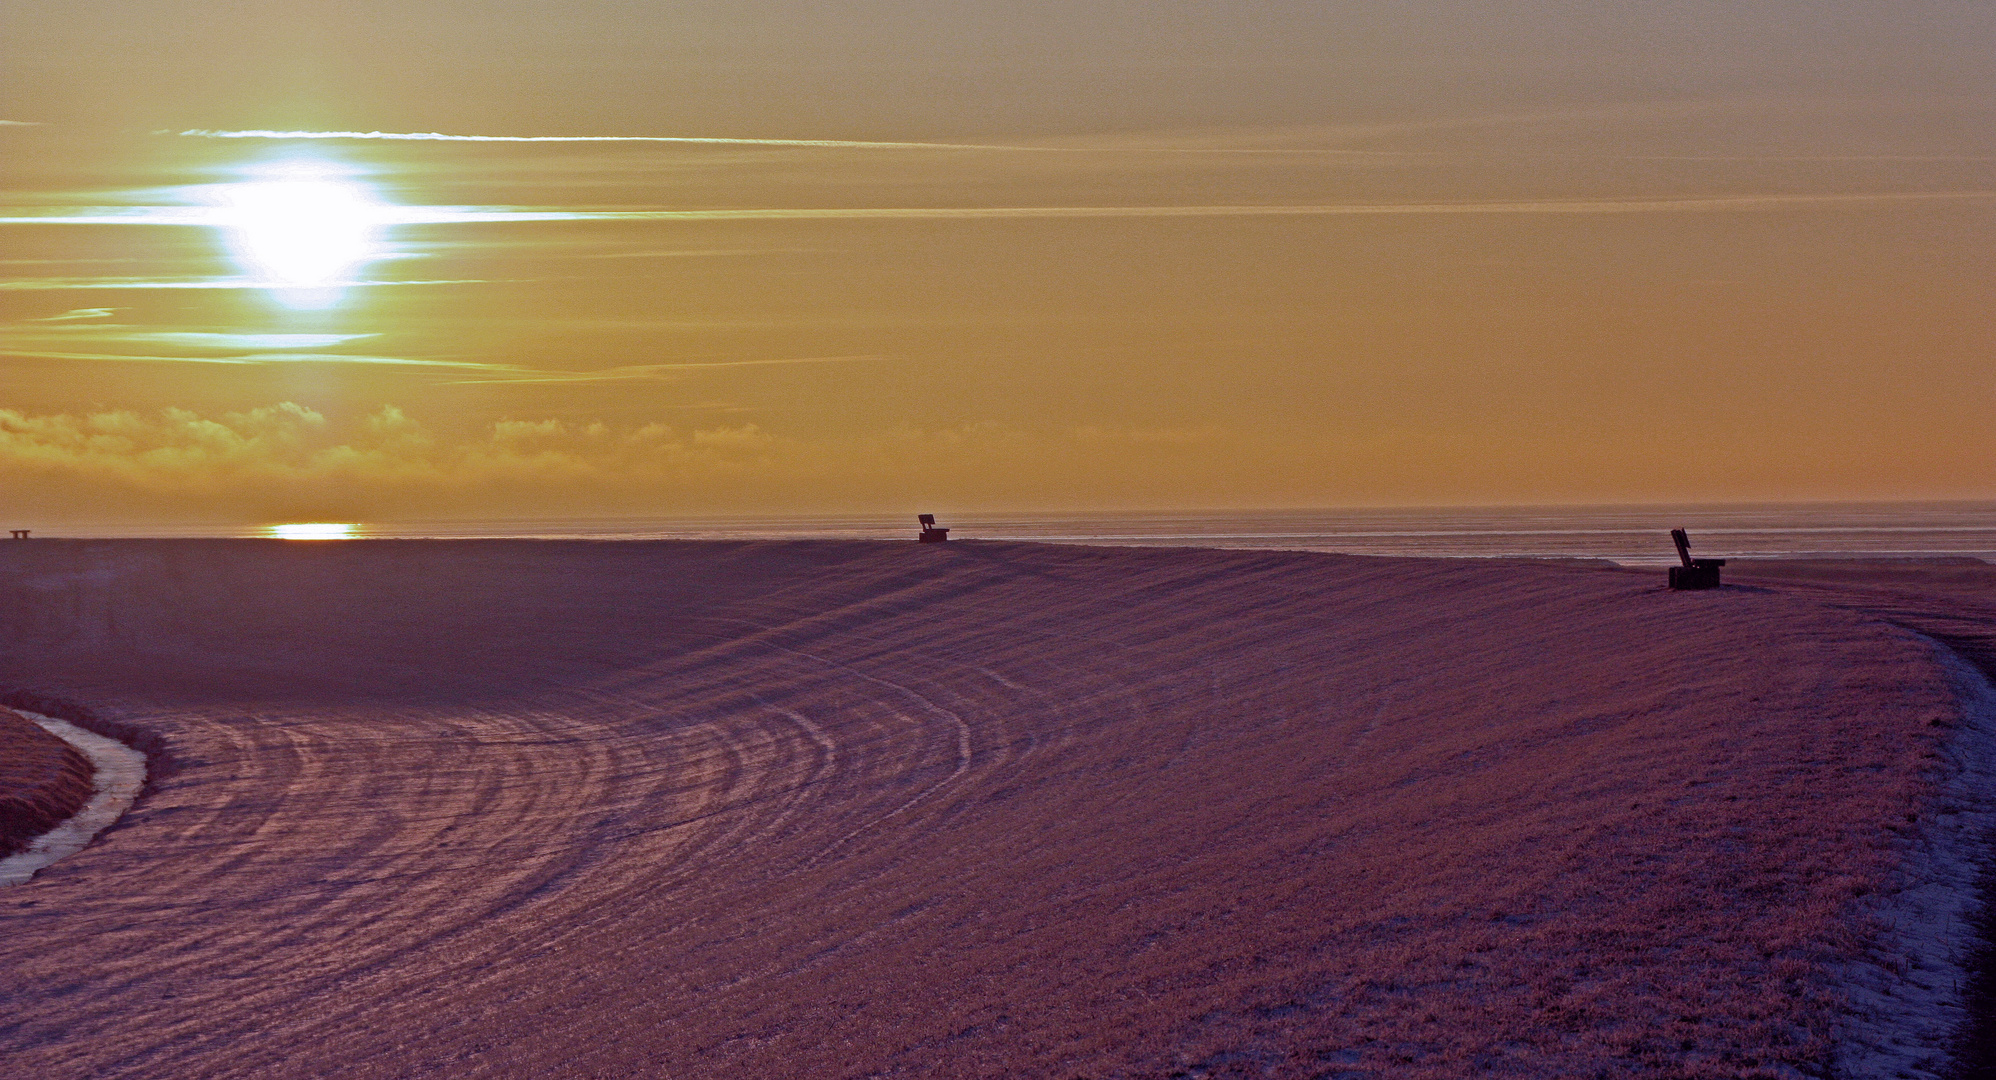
point(512, 809)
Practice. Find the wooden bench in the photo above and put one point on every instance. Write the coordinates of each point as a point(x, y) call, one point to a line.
point(1694, 573)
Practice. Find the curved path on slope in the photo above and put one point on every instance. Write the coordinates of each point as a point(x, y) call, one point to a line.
point(490, 809)
point(115, 774)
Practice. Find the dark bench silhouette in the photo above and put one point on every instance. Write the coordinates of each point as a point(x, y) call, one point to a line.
point(19, 534)
point(1695, 573)
point(931, 534)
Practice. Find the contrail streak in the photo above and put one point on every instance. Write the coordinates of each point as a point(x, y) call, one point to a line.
point(255, 358)
point(514, 374)
point(455, 215)
point(437, 136)
point(1577, 206)
point(1276, 151)
point(843, 144)
point(64, 284)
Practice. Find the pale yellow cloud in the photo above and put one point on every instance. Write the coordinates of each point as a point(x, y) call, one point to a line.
point(289, 461)
point(279, 451)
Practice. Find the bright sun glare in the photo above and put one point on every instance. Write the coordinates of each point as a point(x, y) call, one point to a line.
point(301, 229)
point(314, 530)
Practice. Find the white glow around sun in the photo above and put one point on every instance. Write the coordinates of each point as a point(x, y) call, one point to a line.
point(301, 229)
point(314, 530)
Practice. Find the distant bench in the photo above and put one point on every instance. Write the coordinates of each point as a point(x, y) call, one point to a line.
point(1694, 573)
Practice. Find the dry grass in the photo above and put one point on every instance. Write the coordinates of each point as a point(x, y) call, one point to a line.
point(42, 781)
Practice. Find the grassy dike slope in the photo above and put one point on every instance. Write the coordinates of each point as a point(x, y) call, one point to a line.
point(42, 781)
point(552, 809)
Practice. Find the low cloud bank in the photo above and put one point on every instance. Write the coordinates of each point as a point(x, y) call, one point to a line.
point(290, 462)
point(286, 455)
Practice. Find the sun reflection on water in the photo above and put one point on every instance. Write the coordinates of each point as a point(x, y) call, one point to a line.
point(302, 228)
point(313, 530)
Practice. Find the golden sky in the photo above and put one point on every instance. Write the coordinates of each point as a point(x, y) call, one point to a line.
point(634, 259)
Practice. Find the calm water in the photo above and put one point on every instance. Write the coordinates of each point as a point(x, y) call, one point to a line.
point(1632, 535)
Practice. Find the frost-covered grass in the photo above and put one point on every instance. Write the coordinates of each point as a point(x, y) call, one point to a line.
point(516, 809)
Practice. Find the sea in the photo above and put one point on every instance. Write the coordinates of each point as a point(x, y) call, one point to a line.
point(1630, 535)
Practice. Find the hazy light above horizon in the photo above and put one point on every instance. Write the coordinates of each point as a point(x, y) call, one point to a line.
point(301, 229)
point(494, 297)
point(314, 530)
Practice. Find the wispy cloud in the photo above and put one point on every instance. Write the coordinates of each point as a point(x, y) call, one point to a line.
point(443, 215)
point(200, 340)
point(80, 335)
point(437, 136)
point(1121, 147)
point(253, 358)
point(61, 262)
point(291, 462)
point(653, 371)
point(1689, 204)
point(207, 217)
point(84, 324)
point(821, 144)
point(483, 372)
point(828, 144)
point(67, 283)
point(687, 254)
point(282, 451)
point(286, 459)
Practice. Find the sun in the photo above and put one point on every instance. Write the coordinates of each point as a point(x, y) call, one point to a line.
point(301, 229)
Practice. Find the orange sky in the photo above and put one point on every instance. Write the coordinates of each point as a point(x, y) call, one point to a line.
point(1077, 256)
